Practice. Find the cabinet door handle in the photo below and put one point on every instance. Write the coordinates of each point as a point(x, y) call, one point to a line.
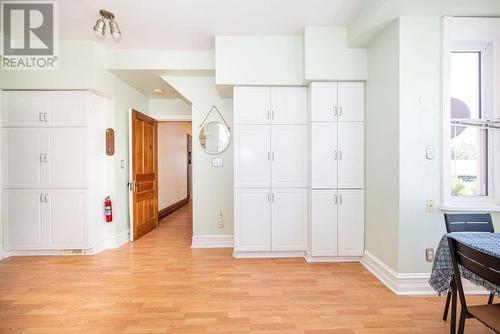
point(336, 154)
point(340, 111)
point(340, 155)
point(40, 116)
point(336, 199)
point(268, 156)
point(268, 115)
point(272, 198)
point(45, 117)
point(272, 115)
point(268, 198)
point(340, 198)
point(41, 198)
point(335, 111)
point(272, 156)
point(45, 157)
point(41, 157)
point(46, 198)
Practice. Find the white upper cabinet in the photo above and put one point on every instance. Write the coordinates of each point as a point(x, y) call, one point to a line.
point(323, 101)
point(350, 223)
point(66, 158)
point(67, 109)
point(23, 216)
point(252, 105)
point(22, 157)
point(41, 108)
point(350, 155)
point(351, 101)
point(25, 108)
point(252, 156)
point(66, 218)
point(324, 155)
point(252, 220)
point(324, 222)
point(289, 105)
point(289, 155)
point(289, 219)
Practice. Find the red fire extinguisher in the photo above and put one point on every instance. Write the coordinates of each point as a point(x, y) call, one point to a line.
point(108, 211)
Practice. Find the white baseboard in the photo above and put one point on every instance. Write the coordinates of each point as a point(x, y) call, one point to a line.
point(330, 259)
point(267, 255)
point(112, 241)
point(213, 241)
point(406, 283)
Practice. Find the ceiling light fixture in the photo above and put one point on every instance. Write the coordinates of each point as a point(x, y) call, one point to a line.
point(100, 25)
point(158, 90)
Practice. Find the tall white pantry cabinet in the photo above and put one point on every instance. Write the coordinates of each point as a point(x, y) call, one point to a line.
point(298, 170)
point(52, 169)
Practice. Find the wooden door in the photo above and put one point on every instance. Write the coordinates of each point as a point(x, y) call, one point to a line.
point(324, 222)
point(324, 155)
point(289, 219)
point(350, 155)
point(252, 225)
point(289, 156)
point(289, 105)
point(252, 145)
point(351, 102)
point(144, 162)
point(350, 222)
point(324, 101)
point(252, 105)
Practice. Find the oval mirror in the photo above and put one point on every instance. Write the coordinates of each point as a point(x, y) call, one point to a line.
point(214, 137)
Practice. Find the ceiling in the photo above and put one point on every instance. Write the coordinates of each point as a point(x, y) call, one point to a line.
point(192, 24)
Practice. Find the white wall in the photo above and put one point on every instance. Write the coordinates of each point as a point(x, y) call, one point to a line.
point(172, 162)
point(212, 186)
point(382, 148)
point(169, 107)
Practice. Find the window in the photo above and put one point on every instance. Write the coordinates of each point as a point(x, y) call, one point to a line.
point(470, 139)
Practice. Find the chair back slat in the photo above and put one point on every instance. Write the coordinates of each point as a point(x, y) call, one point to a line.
point(481, 264)
point(469, 222)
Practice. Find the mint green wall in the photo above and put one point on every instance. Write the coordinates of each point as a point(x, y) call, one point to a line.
point(382, 148)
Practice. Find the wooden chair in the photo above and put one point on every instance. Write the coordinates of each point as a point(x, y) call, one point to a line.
point(483, 265)
point(466, 223)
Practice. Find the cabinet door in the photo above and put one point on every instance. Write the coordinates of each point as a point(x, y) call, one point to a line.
point(23, 157)
point(351, 101)
point(66, 219)
point(66, 158)
point(252, 153)
point(289, 156)
point(289, 105)
point(323, 101)
point(324, 222)
point(351, 155)
point(67, 109)
point(23, 219)
point(289, 219)
point(252, 105)
point(324, 155)
point(351, 223)
point(252, 223)
point(24, 108)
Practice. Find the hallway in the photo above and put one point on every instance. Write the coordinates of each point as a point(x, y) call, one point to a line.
point(159, 284)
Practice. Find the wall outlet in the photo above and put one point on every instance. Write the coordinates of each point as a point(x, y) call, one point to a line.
point(220, 218)
point(429, 205)
point(429, 254)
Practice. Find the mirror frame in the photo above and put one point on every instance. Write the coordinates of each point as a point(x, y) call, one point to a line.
point(227, 130)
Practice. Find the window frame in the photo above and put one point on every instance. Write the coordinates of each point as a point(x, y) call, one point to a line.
point(490, 202)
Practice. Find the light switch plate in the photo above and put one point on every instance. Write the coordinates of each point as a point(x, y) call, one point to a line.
point(217, 162)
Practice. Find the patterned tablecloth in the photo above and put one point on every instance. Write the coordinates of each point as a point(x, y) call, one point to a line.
point(442, 269)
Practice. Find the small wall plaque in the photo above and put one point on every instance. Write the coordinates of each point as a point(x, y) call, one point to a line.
point(110, 141)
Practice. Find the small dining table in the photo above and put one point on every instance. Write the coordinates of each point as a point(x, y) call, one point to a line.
point(441, 279)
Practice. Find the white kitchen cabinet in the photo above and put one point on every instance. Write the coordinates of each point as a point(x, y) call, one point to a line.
point(44, 108)
point(252, 229)
point(323, 101)
point(324, 155)
point(289, 156)
point(350, 222)
point(22, 157)
point(324, 222)
point(350, 155)
point(24, 219)
point(252, 156)
point(66, 218)
point(351, 102)
point(66, 152)
point(289, 219)
point(289, 105)
point(252, 105)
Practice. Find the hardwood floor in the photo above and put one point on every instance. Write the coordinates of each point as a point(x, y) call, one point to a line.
point(159, 285)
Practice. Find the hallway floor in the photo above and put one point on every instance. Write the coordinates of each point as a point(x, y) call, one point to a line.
point(158, 284)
